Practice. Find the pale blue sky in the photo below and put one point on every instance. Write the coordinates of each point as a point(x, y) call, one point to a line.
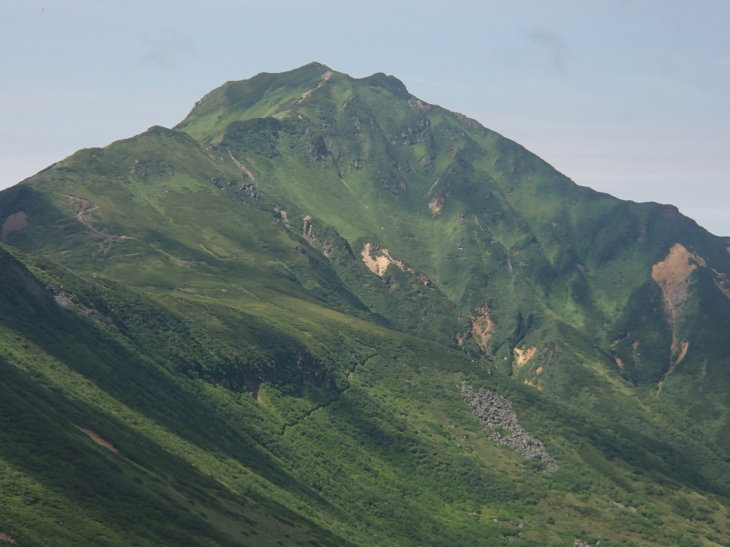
point(631, 97)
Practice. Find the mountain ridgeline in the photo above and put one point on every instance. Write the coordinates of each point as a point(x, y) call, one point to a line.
point(313, 312)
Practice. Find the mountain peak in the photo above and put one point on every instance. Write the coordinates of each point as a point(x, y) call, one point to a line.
point(320, 293)
point(264, 95)
point(279, 95)
point(390, 83)
point(307, 70)
point(315, 64)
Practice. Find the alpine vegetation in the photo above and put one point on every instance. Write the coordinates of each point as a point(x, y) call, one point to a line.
point(312, 313)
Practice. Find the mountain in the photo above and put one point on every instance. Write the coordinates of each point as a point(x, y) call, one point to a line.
point(322, 311)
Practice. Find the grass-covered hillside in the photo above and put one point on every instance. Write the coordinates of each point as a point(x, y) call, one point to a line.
point(285, 320)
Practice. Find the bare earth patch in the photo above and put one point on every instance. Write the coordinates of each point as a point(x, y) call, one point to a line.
point(83, 214)
point(326, 76)
point(14, 223)
point(482, 328)
point(97, 439)
point(683, 347)
point(242, 167)
point(523, 355)
point(377, 260)
point(436, 205)
point(533, 384)
point(378, 264)
point(673, 275)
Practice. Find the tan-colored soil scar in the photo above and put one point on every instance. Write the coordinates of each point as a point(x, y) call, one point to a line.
point(97, 439)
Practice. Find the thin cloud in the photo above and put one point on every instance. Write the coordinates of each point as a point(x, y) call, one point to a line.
point(556, 49)
point(167, 52)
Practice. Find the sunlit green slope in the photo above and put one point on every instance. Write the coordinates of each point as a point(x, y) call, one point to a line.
point(120, 429)
point(268, 312)
point(522, 252)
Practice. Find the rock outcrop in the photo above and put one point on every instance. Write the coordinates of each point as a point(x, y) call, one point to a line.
point(497, 417)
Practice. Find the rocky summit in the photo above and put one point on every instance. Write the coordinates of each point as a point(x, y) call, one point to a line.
point(312, 313)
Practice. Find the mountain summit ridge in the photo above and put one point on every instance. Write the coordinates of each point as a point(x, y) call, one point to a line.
point(286, 293)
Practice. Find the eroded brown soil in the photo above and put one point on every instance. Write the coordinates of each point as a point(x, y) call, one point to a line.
point(523, 355)
point(482, 328)
point(97, 439)
point(14, 223)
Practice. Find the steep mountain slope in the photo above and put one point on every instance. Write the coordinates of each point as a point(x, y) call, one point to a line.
point(446, 197)
point(511, 243)
point(116, 439)
point(282, 309)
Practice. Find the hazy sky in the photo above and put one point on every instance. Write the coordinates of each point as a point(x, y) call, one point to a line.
point(631, 97)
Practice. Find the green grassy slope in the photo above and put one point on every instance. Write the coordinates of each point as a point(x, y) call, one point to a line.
point(384, 451)
point(488, 224)
point(270, 309)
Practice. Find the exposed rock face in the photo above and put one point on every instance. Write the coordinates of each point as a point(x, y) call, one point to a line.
point(320, 148)
point(377, 259)
point(674, 275)
point(523, 355)
point(380, 262)
point(97, 439)
point(495, 412)
point(482, 328)
point(249, 189)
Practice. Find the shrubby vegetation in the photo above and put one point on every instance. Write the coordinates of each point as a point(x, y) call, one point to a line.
point(192, 349)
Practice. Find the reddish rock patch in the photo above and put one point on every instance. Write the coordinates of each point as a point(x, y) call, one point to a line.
point(97, 439)
point(14, 223)
point(482, 328)
point(674, 275)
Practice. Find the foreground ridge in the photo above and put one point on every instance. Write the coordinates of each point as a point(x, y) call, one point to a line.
point(495, 413)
